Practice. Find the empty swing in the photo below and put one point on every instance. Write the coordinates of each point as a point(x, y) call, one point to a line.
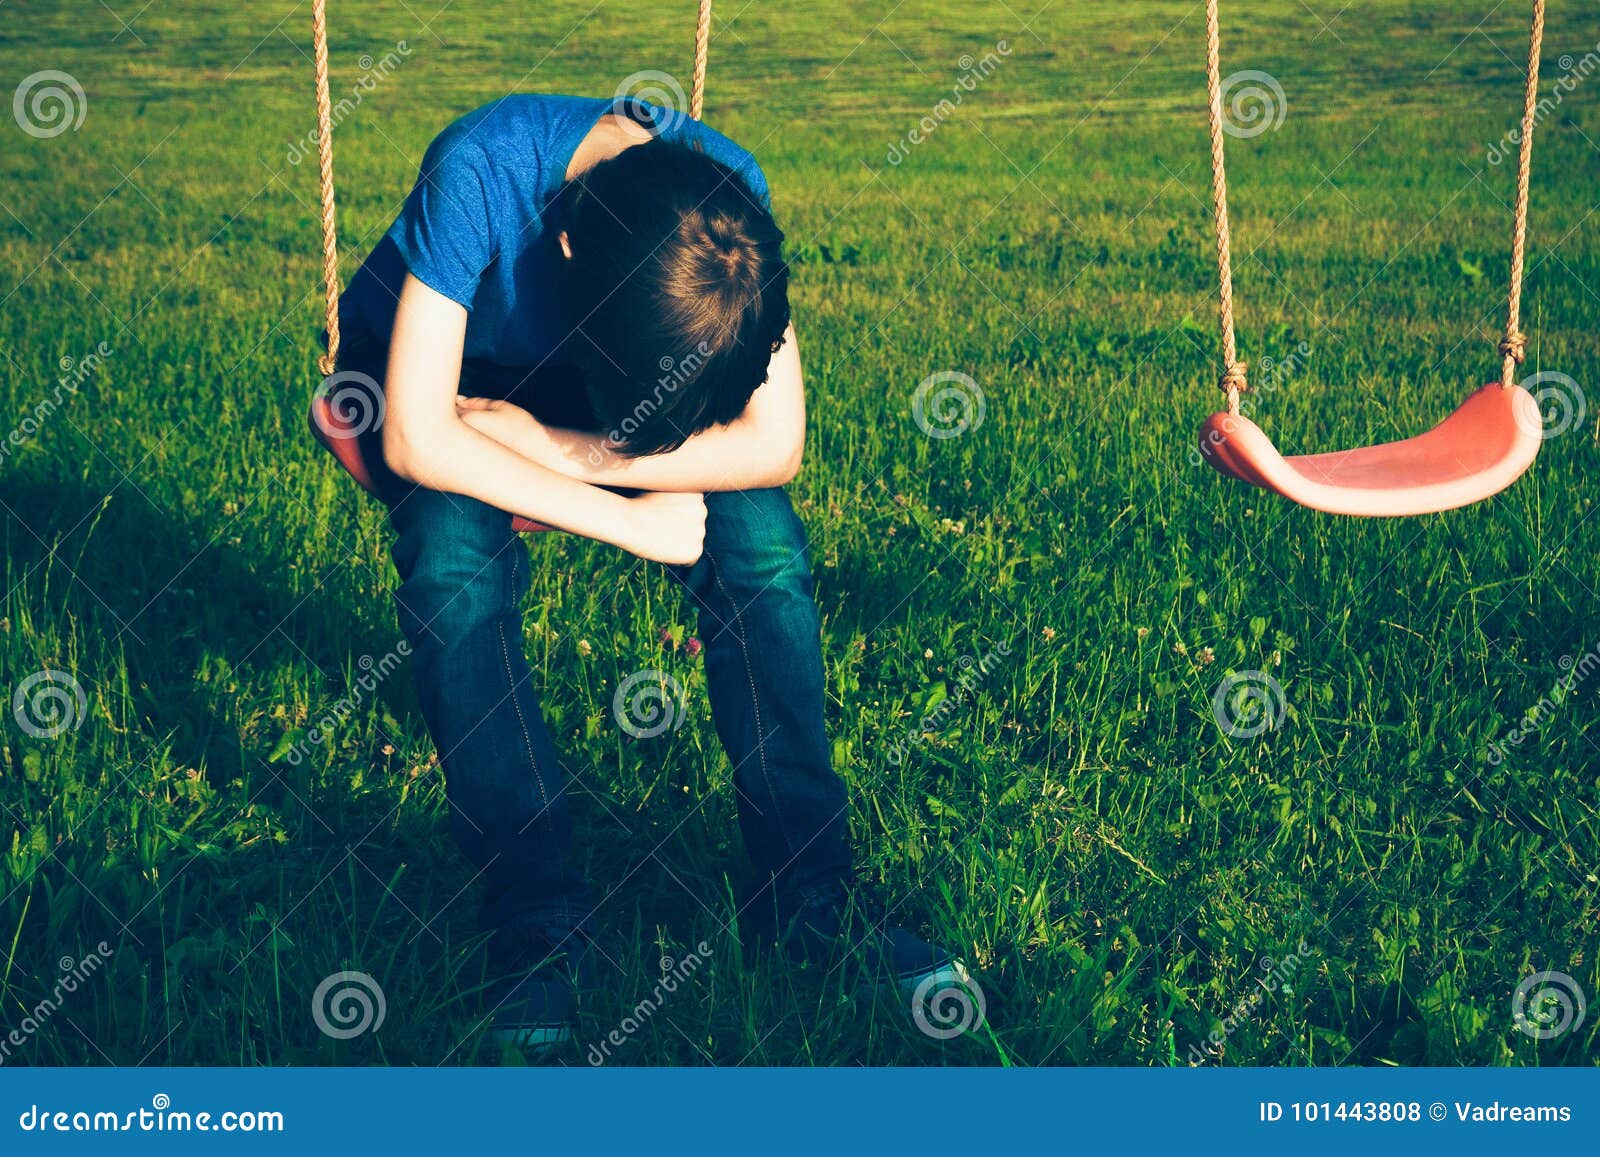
point(338, 417)
point(1479, 450)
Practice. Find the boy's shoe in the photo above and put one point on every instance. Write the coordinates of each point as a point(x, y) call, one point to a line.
point(830, 923)
point(534, 1003)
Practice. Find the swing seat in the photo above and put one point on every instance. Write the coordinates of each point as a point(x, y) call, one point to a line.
point(1479, 450)
point(340, 436)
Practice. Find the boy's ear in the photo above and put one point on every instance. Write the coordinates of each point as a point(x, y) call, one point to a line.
point(566, 244)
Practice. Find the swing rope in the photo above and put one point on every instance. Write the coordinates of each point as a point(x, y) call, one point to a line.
point(1515, 342)
point(702, 43)
point(1234, 380)
point(330, 233)
point(1512, 347)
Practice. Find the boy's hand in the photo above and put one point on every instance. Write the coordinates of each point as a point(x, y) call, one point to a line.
point(762, 447)
point(669, 528)
point(570, 452)
point(465, 403)
point(514, 428)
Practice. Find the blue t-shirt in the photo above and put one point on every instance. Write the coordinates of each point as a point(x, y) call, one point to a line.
point(476, 227)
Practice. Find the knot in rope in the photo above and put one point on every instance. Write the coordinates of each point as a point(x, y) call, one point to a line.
point(1514, 346)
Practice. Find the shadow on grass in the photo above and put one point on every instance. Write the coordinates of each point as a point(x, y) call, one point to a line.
point(232, 881)
point(168, 827)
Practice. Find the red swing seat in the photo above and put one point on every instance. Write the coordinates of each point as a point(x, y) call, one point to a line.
point(1479, 450)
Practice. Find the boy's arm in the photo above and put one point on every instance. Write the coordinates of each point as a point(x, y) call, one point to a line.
point(760, 448)
point(425, 442)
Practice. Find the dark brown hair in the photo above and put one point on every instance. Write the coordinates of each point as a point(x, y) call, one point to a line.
point(676, 294)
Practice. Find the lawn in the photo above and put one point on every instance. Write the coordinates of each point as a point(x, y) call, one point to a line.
point(1026, 624)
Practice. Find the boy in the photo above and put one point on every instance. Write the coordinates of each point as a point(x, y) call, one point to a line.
point(607, 266)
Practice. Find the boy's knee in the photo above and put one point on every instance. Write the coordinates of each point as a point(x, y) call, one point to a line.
point(757, 542)
point(458, 564)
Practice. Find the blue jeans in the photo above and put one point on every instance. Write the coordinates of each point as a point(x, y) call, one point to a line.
point(463, 578)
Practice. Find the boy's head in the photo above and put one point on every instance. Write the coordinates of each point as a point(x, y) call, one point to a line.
point(675, 291)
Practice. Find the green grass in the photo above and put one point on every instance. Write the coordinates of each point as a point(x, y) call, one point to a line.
point(1111, 862)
